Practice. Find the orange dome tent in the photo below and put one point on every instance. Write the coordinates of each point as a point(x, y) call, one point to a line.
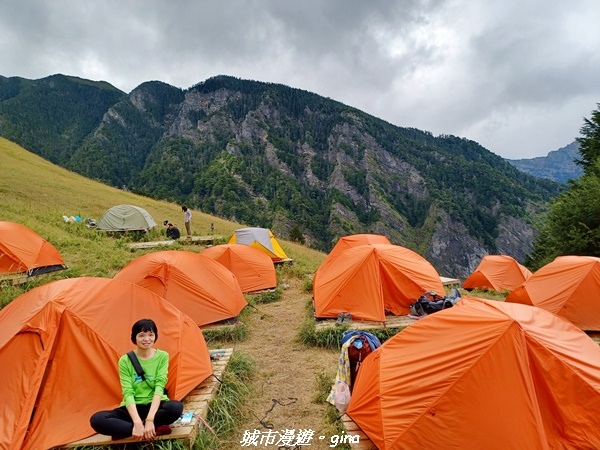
point(498, 273)
point(22, 250)
point(346, 242)
point(569, 287)
point(59, 348)
point(483, 374)
point(354, 240)
point(372, 279)
point(200, 287)
point(253, 269)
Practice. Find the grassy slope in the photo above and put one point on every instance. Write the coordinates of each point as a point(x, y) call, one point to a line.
point(37, 194)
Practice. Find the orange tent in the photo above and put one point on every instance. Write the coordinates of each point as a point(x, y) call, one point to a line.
point(569, 287)
point(354, 240)
point(372, 279)
point(23, 250)
point(346, 242)
point(59, 348)
point(200, 287)
point(253, 269)
point(498, 273)
point(483, 374)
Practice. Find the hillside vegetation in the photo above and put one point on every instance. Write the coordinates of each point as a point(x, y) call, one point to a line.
point(37, 193)
point(310, 168)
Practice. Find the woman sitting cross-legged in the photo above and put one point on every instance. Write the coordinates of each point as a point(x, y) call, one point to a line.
point(145, 411)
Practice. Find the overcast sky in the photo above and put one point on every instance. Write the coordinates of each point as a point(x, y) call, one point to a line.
point(517, 76)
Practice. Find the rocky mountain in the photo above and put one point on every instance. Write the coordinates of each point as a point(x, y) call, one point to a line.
point(268, 155)
point(559, 165)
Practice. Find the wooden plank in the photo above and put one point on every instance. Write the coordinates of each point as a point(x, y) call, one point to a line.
point(197, 401)
point(284, 261)
point(203, 240)
point(145, 245)
point(364, 443)
point(13, 279)
point(450, 282)
point(391, 322)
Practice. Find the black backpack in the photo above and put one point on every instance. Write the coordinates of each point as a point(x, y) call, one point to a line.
point(431, 302)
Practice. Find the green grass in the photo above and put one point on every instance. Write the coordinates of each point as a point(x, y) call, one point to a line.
point(36, 193)
point(264, 297)
point(225, 412)
point(332, 418)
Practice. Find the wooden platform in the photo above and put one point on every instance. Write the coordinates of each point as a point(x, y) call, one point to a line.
point(193, 240)
point(13, 280)
point(221, 326)
point(196, 401)
point(450, 282)
point(199, 240)
point(353, 429)
point(391, 322)
point(284, 261)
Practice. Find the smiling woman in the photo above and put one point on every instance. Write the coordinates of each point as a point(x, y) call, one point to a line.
point(145, 411)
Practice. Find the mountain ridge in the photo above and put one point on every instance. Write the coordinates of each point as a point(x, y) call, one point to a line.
point(558, 165)
point(270, 155)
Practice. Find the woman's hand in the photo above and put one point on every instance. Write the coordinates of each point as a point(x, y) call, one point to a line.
point(149, 431)
point(138, 430)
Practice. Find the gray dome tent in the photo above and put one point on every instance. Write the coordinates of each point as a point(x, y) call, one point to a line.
point(126, 218)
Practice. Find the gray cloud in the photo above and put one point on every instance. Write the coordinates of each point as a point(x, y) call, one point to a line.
point(517, 76)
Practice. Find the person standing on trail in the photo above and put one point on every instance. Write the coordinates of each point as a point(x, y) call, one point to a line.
point(187, 219)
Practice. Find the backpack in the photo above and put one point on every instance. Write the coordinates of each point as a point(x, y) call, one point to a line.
point(431, 302)
point(357, 352)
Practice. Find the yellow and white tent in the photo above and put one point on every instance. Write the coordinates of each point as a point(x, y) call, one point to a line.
point(260, 238)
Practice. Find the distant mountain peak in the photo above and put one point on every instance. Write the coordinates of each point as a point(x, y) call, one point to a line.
point(559, 165)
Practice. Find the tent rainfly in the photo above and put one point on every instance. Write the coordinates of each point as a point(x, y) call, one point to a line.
point(498, 273)
point(260, 238)
point(22, 250)
point(253, 269)
point(347, 242)
point(200, 287)
point(126, 218)
point(59, 348)
point(569, 287)
point(372, 279)
point(483, 374)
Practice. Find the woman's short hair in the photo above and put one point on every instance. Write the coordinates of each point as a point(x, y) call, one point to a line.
point(143, 326)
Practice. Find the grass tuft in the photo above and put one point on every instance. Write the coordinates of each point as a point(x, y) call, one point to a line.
point(225, 412)
point(265, 297)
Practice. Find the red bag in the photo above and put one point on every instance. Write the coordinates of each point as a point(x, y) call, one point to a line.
point(357, 352)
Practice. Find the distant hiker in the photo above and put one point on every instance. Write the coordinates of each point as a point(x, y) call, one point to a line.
point(187, 218)
point(173, 232)
point(212, 227)
point(145, 411)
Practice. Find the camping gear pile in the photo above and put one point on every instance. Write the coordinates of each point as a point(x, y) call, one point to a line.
point(431, 302)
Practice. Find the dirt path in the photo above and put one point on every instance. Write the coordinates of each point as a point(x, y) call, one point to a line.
point(286, 377)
